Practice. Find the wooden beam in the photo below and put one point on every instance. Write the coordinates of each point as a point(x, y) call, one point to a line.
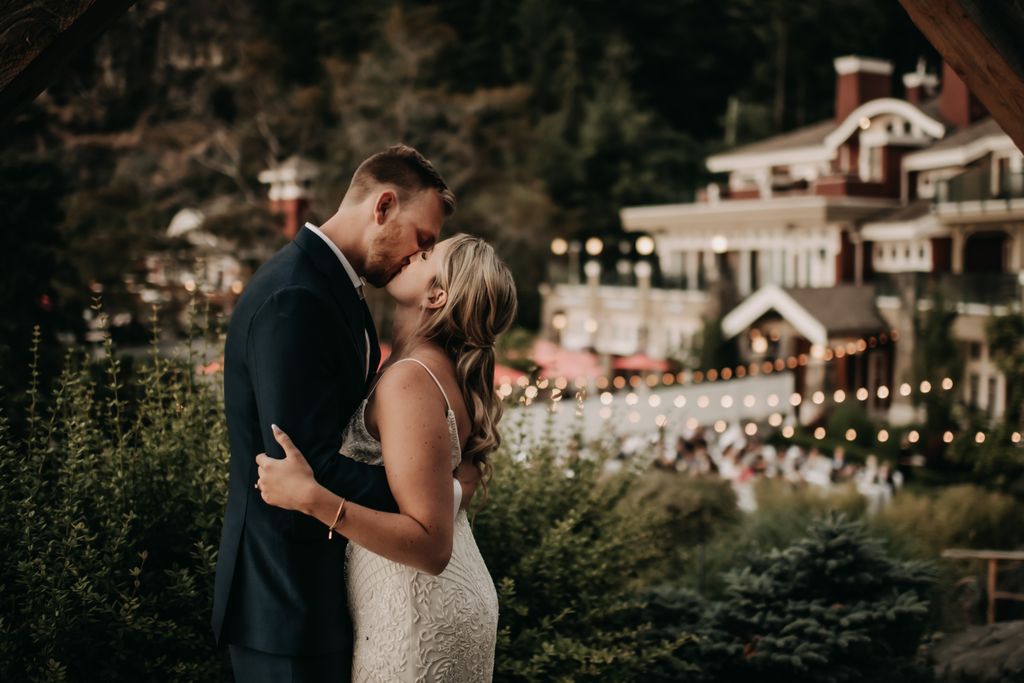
point(981, 41)
point(39, 37)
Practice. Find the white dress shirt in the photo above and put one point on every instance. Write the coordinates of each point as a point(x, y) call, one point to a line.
point(356, 282)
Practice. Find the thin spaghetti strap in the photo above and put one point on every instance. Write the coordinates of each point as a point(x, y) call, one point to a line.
point(429, 372)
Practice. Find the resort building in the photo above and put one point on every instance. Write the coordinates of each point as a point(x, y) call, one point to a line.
point(821, 245)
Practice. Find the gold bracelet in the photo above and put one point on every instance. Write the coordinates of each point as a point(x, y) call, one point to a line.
point(337, 518)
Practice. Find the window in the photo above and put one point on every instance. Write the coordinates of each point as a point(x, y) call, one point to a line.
point(973, 388)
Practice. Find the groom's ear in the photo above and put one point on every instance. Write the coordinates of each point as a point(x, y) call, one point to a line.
point(385, 206)
point(437, 298)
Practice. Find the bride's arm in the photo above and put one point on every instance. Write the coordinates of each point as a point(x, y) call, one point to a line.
point(417, 459)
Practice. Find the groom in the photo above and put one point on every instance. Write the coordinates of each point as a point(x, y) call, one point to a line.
point(300, 349)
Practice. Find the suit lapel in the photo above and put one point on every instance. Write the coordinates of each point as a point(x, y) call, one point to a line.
point(341, 288)
point(371, 330)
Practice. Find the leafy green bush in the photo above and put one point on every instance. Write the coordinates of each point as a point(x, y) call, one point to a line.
point(783, 513)
point(109, 518)
point(567, 551)
point(691, 510)
point(832, 606)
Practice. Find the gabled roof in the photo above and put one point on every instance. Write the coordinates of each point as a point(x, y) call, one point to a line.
point(819, 141)
point(962, 147)
point(817, 313)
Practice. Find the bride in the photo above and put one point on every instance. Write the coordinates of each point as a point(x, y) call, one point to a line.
point(423, 604)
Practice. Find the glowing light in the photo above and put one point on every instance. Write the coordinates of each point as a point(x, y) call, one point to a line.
point(926, 386)
point(559, 246)
point(542, 384)
point(905, 389)
point(795, 399)
point(703, 401)
point(237, 286)
point(522, 381)
point(979, 437)
point(851, 434)
point(607, 398)
point(559, 321)
point(720, 426)
point(1015, 437)
point(679, 401)
point(772, 400)
point(775, 419)
point(719, 244)
point(883, 436)
point(580, 382)
point(819, 433)
point(654, 400)
point(883, 392)
point(948, 437)
point(817, 351)
point(913, 436)
point(839, 396)
point(818, 397)
point(652, 381)
point(619, 382)
point(759, 345)
point(947, 384)
point(605, 413)
point(660, 420)
point(561, 383)
point(749, 400)
point(787, 432)
point(590, 326)
point(632, 399)
point(726, 401)
point(594, 246)
point(531, 392)
point(750, 429)
point(862, 394)
point(692, 423)
point(602, 382)
point(865, 123)
point(861, 346)
point(644, 245)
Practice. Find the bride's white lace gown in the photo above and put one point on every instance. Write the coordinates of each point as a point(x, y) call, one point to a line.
point(411, 626)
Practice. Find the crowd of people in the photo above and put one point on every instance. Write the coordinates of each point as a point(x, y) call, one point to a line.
point(743, 460)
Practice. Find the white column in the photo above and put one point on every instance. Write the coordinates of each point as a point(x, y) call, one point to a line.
point(692, 267)
point(744, 275)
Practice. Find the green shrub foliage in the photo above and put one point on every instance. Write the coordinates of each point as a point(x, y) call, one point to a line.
point(110, 514)
point(833, 606)
point(567, 551)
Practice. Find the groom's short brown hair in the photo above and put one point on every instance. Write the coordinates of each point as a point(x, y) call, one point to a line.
point(406, 169)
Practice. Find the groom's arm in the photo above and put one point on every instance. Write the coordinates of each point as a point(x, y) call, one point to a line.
point(293, 360)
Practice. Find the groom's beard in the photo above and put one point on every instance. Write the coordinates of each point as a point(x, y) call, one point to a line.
point(381, 264)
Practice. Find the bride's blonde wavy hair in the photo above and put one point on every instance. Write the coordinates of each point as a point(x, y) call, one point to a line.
point(481, 304)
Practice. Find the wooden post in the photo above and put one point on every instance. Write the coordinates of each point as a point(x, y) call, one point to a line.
point(990, 615)
point(981, 41)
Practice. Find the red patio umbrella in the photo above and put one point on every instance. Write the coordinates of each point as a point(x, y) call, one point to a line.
point(640, 362)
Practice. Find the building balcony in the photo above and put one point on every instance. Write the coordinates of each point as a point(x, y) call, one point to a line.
point(978, 196)
point(960, 289)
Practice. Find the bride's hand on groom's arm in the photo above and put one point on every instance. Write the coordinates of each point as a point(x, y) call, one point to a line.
point(286, 483)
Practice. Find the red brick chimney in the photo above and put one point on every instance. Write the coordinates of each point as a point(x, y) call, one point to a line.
point(289, 184)
point(919, 84)
point(860, 80)
point(957, 105)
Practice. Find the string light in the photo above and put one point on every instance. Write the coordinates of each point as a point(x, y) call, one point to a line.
point(787, 431)
point(750, 429)
point(775, 419)
point(818, 398)
point(913, 436)
point(851, 434)
point(839, 396)
point(1015, 437)
point(883, 436)
point(926, 386)
point(979, 437)
point(654, 400)
point(948, 437)
point(632, 399)
point(905, 389)
point(660, 420)
point(727, 401)
point(679, 401)
point(607, 398)
point(947, 384)
point(862, 394)
point(749, 400)
point(703, 401)
point(819, 433)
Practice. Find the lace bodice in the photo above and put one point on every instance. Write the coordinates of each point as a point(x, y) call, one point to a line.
point(411, 626)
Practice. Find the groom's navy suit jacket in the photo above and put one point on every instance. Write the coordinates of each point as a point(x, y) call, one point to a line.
point(294, 357)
